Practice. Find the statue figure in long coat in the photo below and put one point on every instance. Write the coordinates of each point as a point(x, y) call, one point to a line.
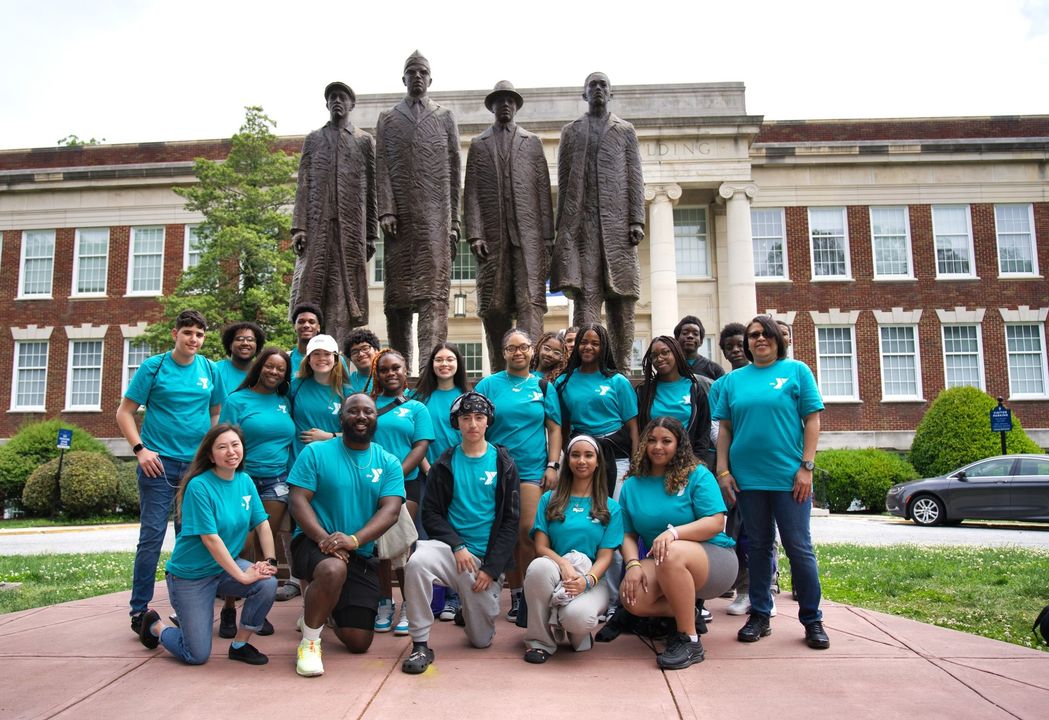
point(600, 218)
point(418, 172)
point(335, 222)
point(509, 222)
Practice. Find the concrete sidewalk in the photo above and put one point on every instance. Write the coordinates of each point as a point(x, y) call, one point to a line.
point(80, 660)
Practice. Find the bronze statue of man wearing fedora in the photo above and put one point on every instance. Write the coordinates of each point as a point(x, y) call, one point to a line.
point(509, 222)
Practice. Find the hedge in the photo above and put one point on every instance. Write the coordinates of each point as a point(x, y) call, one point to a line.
point(865, 475)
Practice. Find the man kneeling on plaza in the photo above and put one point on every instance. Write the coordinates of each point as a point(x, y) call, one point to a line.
point(471, 512)
point(345, 493)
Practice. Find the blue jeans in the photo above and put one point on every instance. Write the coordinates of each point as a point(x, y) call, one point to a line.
point(194, 601)
point(762, 511)
point(155, 498)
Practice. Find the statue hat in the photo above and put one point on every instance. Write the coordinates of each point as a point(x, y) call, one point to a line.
point(340, 86)
point(503, 87)
point(416, 58)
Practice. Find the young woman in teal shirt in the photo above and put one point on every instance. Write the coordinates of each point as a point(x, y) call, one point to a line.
point(317, 393)
point(671, 389)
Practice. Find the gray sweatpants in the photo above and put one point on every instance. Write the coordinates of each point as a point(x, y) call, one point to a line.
point(433, 562)
point(578, 618)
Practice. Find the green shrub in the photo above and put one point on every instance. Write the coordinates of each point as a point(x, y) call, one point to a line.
point(39, 495)
point(88, 486)
point(127, 487)
point(32, 446)
point(861, 474)
point(956, 430)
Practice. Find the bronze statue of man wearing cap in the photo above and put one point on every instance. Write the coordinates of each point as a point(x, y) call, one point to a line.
point(335, 224)
point(600, 218)
point(417, 166)
point(509, 222)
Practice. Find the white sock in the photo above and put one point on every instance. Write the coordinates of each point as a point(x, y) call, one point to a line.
point(309, 633)
point(694, 638)
point(516, 591)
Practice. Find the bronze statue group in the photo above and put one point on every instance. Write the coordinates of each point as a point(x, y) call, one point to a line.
point(594, 501)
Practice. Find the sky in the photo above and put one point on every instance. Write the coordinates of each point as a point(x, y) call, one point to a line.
point(141, 71)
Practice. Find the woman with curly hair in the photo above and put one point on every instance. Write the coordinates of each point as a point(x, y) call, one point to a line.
point(671, 389)
point(549, 358)
point(673, 504)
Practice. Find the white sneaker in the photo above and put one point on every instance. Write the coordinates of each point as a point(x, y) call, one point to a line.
point(773, 613)
point(739, 606)
point(384, 616)
point(309, 663)
point(401, 628)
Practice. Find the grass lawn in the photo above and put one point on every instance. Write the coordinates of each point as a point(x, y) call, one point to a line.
point(111, 519)
point(994, 592)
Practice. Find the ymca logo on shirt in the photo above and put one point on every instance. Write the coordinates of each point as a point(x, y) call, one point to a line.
point(247, 501)
point(602, 390)
point(334, 407)
point(203, 382)
point(778, 384)
point(376, 474)
point(536, 396)
point(282, 408)
point(403, 412)
point(489, 476)
point(686, 399)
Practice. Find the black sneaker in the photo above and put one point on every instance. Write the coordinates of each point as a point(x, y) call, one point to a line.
point(136, 622)
point(522, 613)
point(680, 653)
point(757, 627)
point(515, 603)
point(266, 629)
point(145, 635)
point(816, 637)
point(228, 623)
point(247, 653)
point(459, 620)
point(619, 620)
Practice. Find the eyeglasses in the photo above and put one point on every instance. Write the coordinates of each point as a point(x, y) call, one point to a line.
point(244, 339)
point(662, 354)
point(761, 334)
point(522, 348)
point(553, 353)
point(366, 350)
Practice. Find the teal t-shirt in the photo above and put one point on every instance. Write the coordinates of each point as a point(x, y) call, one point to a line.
point(398, 429)
point(521, 412)
point(578, 531)
point(178, 401)
point(297, 358)
point(269, 431)
point(213, 506)
point(230, 376)
point(715, 392)
point(599, 404)
point(359, 382)
point(647, 509)
point(472, 510)
point(346, 484)
point(439, 406)
point(767, 407)
point(673, 399)
point(314, 406)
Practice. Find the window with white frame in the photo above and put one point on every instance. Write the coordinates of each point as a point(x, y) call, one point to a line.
point(637, 353)
point(900, 365)
point(191, 248)
point(464, 267)
point(836, 362)
point(377, 262)
point(90, 261)
point(828, 233)
point(30, 375)
point(953, 236)
point(891, 242)
point(135, 353)
point(962, 356)
point(84, 385)
point(1025, 351)
point(145, 274)
point(38, 263)
point(472, 357)
point(691, 249)
point(1013, 226)
point(768, 230)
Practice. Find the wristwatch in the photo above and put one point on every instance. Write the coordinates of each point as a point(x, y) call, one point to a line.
point(554, 465)
point(138, 448)
point(808, 465)
point(272, 561)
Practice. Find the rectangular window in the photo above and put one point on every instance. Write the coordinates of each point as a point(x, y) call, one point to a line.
point(377, 262)
point(135, 352)
point(191, 248)
point(38, 262)
point(464, 267)
point(962, 356)
point(900, 366)
point(30, 381)
point(91, 261)
point(891, 240)
point(1013, 226)
point(954, 241)
point(1025, 350)
point(830, 243)
point(836, 363)
point(767, 228)
point(146, 267)
point(84, 386)
point(691, 250)
point(472, 356)
point(637, 353)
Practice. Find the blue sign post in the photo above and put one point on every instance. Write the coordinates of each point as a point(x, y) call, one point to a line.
point(64, 442)
point(1001, 421)
point(65, 439)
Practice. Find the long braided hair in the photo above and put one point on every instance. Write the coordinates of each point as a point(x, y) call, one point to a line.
point(646, 391)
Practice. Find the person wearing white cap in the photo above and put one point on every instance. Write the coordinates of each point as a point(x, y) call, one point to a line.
point(317, 393)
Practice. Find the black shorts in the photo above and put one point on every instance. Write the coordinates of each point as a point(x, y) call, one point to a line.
point(359, 601)
point(413, 489)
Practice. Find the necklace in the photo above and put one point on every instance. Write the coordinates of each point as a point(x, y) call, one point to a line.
point(365, 453)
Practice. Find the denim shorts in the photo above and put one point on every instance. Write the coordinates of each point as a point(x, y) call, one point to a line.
point(273, 488)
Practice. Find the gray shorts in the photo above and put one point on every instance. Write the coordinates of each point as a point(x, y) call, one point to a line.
point(723, 568)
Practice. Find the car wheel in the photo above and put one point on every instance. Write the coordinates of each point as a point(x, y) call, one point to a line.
point(927, 510)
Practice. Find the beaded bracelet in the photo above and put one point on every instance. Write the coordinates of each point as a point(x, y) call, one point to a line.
point(586, 580)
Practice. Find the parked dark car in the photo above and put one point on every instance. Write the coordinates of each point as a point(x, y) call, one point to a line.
point(1006, 487)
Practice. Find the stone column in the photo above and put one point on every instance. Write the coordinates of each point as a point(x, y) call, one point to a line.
point(738, 292)
point(662, 257)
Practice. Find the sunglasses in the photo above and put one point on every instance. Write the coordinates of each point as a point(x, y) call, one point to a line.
point(761, 334)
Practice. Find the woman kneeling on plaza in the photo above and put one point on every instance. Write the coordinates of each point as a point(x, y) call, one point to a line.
point(672, 502)
point(577, 528)
point(217, 504)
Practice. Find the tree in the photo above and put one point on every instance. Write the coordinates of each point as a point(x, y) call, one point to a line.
point(75, 141)
point(244, 254)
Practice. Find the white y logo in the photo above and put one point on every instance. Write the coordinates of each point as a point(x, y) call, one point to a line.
point(686, 399)
point(247, 501)
point(403, 412)
point(376, 474)
point(780, 382)
point(603, 389)
point(489, 476)
point(203, 382)
point(537, 396)
point(334, 407)
point(283, 408)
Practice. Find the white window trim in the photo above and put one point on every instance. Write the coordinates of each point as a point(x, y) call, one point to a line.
point(907, 232)
point(1034, 245)
point(15, 407)
point(70, 407)
point(706, 243)
point(185, 244)
point(131, 261)
point(979, 350)
point(885, 397)
point(855, 397)
point(971, 275)
point(1008, 366)
point(125, 377)
point(785, 277)
point(845, 240)
point(21, 270)
point(76, 268)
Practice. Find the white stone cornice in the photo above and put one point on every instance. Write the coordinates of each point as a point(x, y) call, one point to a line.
point(86, 331)
point(787, 317)
point(134, 331)
point(728, 190)
point(835, 317)
point(898, 316)
point(32, 332)
point(671, 191)
point(960, 315)
point(1024, 314)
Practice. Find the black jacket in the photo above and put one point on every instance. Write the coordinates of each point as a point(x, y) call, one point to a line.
point(440, 487)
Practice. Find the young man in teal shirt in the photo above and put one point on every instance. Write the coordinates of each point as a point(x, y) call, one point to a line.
point(242, 342)
point(182, 394)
